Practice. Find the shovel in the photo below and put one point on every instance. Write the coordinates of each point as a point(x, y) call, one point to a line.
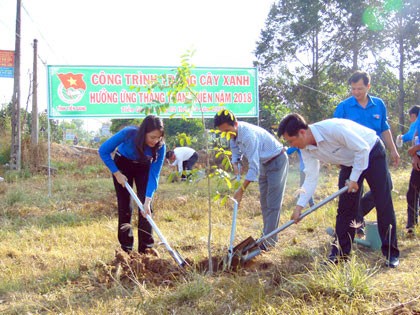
point(175, 255)
point(249, 248)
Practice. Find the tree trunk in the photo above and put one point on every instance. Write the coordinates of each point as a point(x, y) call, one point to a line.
point(401, 96)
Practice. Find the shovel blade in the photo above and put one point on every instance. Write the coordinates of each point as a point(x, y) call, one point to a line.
point(238, 249)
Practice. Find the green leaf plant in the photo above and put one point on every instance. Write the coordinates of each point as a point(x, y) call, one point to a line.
point(181, 83)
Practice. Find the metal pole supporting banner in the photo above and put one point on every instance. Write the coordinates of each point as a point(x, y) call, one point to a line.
point(49, 158)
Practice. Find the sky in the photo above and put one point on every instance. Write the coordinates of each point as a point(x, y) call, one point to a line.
point(223, 33)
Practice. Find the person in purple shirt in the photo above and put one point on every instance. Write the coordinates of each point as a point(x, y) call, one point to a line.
point(369, 111)
point(139, 158)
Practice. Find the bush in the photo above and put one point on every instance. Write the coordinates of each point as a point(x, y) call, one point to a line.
point(4, 154)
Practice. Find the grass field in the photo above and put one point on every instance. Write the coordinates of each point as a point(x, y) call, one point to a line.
point(53, 250)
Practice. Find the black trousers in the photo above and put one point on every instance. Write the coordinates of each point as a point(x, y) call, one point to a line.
point(380, 184)
point(367, 203)
point(188, 164)
point(413, 199)
point(139, 174)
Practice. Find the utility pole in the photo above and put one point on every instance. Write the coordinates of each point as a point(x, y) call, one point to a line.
point(34, 131)
point(15, 154)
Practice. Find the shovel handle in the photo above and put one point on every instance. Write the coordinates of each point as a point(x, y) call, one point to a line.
point(304, 214)
point(232, 231)
point(173, 253)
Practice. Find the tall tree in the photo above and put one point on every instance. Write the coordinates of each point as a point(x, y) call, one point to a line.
point(356, 41)
point(400, 21)
point(313, 47)
point(298, 42)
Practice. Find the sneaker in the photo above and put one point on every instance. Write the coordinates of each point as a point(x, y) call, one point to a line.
point(410, 232)
point(392, 262)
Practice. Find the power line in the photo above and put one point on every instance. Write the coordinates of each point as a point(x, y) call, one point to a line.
point(42, 36)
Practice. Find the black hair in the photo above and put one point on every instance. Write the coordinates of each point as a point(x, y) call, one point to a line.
point(291, 124)
point(169, 154)
point(224, 116)
point(149, 124)
point(415, 109)
point(356, 76)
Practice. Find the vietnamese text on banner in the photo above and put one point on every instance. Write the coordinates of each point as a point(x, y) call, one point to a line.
point(122, 92)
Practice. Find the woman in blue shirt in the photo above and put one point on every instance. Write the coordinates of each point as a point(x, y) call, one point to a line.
point(139, 158)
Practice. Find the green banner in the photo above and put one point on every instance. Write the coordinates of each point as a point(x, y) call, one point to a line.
point(121, 92)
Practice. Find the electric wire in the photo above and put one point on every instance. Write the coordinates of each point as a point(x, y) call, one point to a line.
point(42, 36)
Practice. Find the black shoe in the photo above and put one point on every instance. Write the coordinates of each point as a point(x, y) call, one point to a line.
point(335, 259)
point(392, 262)
point(331, 260)
point(410, 232)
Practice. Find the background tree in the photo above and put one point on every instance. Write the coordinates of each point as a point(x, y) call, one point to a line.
point(401, 24)
point(308, 50)
point(298, 45)
point(176, 127)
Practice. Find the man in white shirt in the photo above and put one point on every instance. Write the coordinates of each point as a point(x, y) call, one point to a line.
point(184, 158)
point(362, 155)
point(268, 164)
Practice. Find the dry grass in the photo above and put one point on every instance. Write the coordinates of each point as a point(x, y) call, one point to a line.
point(51, 250)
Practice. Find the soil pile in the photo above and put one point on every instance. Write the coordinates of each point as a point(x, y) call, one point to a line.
point(133, 267)
point(67, 154)
point(403, 310)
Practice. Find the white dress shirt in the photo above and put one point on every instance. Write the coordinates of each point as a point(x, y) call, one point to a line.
point(339, 141)
point(182, 154)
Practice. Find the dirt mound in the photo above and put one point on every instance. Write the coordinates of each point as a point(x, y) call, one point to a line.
point(403, 310)
point(67, 153)
point(135, 267)
point(150, 268)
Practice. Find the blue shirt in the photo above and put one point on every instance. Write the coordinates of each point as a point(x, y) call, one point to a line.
point(418, 133)
point(257, 144)
point(124, 140)
point(292, 150)
point(411, 131)
point(374, 116)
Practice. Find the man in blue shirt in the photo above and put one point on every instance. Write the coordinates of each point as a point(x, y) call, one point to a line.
point(414, 184)
point(267, 163)
point(413, 114)
point(369, 111)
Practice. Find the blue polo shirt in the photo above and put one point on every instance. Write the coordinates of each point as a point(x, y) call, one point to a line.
point(374, 116)
point(410, 133)
point(124, 140)
point(292, 150)
point(418, 133)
